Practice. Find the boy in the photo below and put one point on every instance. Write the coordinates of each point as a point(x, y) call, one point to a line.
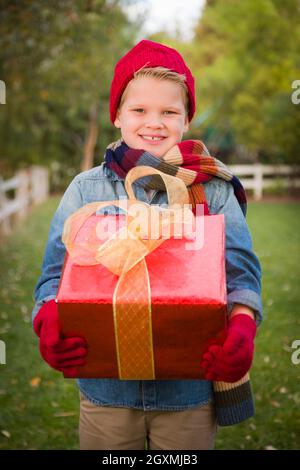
point(152, 101)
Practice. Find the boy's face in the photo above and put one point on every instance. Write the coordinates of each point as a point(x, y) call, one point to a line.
point(152, 108)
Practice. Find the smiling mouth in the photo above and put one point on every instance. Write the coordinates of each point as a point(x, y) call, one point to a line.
point(152, 139)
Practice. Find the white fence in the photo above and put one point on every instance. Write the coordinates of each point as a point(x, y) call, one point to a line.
point(31, 187)
point(258, 177)
point(27, 188)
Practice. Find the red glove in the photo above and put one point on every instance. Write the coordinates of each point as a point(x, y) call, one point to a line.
point(232, 360)
point(61, 354)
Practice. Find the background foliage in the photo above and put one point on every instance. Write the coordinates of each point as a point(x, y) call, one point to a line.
point(57, 60)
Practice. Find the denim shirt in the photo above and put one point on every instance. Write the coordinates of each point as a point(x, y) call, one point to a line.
point(243, 279)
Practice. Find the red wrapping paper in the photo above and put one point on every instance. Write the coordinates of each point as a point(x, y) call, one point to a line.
point(188, 304)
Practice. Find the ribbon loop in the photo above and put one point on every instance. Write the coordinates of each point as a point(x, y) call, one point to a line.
point(175, 187)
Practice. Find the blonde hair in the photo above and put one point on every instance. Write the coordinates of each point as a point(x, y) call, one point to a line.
point(162, 73)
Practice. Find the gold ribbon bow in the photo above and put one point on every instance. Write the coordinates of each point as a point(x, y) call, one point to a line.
point(124, 255)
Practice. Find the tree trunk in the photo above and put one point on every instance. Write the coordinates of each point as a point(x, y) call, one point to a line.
point(91, 140)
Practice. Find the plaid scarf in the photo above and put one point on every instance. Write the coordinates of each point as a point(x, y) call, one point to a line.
point(190, 161)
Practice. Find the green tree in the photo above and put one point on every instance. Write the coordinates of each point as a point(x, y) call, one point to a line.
point(57, 61)
point(246, 56)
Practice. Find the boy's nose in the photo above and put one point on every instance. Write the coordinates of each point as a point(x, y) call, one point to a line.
point(154, 122)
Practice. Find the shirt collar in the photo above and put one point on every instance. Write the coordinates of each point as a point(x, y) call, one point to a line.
point(111, 174)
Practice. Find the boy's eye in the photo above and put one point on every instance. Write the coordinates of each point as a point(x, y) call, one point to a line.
point(170, 112)
point(139, 110)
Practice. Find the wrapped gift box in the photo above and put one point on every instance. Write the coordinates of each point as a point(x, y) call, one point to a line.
point(188, 304)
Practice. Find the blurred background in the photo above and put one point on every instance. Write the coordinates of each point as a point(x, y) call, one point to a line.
point(56, 65)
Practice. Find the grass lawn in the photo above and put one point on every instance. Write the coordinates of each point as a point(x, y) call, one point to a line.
point(39, 410)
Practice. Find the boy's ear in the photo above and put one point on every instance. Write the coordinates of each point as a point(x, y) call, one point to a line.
point(117, 121)
point(186, 124)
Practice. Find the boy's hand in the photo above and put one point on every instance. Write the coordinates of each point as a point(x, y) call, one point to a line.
point(232, 360)
point(61, 354)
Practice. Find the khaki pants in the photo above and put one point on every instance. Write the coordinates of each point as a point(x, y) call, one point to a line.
point(111, 428)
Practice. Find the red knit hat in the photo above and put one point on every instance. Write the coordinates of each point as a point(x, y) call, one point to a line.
point(150, 54)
